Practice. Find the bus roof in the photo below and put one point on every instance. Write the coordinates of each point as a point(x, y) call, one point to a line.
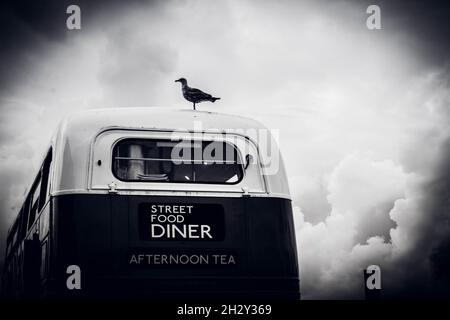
point(160, 118)
point(75, 136)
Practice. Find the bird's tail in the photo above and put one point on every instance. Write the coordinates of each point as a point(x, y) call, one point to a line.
point(213, 99)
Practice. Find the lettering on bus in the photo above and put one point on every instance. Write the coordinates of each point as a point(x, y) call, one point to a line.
point(201, 222)
point(193, 259)
point(174, 258)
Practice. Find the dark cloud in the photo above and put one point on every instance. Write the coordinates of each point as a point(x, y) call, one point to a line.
point(422, 26)
point(29, 28)
point(48, 17)
point(427, 25)
point(26, 26)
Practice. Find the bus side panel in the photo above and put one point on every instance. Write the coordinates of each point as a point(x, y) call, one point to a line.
point(273, 249)
point(81, 236)
point(267, 235)
point(99, 233)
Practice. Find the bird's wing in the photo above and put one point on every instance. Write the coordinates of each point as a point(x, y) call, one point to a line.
point(196, 93)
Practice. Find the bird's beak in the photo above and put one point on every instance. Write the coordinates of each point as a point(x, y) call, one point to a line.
point(177, 80)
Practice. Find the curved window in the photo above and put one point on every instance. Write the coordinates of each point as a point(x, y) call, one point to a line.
point(150, 160)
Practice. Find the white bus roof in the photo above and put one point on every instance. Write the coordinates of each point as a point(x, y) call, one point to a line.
point(75, 136)
point(159, 118)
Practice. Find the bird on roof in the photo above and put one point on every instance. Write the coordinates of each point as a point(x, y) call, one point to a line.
point(194, 95)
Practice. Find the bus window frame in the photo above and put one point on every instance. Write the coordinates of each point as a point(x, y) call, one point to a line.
point(238, 157)
point(44, 194)
point(45, 169)
point(34, 204)
point(25, 216)
point(101, 176)
point(12, 238)
point(22, 224)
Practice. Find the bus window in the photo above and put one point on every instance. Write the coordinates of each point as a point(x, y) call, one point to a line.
point(23, 217)
point(149, 160)
point(12, 237)
point(8, 250)
point(43, 195)
point(35, 191)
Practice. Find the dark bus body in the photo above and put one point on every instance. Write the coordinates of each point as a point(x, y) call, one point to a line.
point(109, 201)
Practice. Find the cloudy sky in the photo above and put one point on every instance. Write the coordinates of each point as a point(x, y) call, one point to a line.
point(363, 115)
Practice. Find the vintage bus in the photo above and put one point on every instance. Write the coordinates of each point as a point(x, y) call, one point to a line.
point(155, 203)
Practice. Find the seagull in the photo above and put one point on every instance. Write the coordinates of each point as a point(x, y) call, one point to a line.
point(194, 95)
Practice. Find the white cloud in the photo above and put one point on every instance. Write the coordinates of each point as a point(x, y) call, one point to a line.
point(358, 187)
point(332, 258)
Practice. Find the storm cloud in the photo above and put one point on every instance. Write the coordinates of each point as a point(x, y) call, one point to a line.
point(363, 115)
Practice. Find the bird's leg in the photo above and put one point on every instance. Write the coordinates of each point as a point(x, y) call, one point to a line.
point(194, 105)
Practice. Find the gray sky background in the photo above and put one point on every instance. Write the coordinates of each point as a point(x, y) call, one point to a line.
point(363, 115)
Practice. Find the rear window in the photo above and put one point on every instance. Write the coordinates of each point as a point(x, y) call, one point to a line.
point(149, 160)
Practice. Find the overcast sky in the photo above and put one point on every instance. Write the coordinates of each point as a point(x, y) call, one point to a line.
point(363, 114)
